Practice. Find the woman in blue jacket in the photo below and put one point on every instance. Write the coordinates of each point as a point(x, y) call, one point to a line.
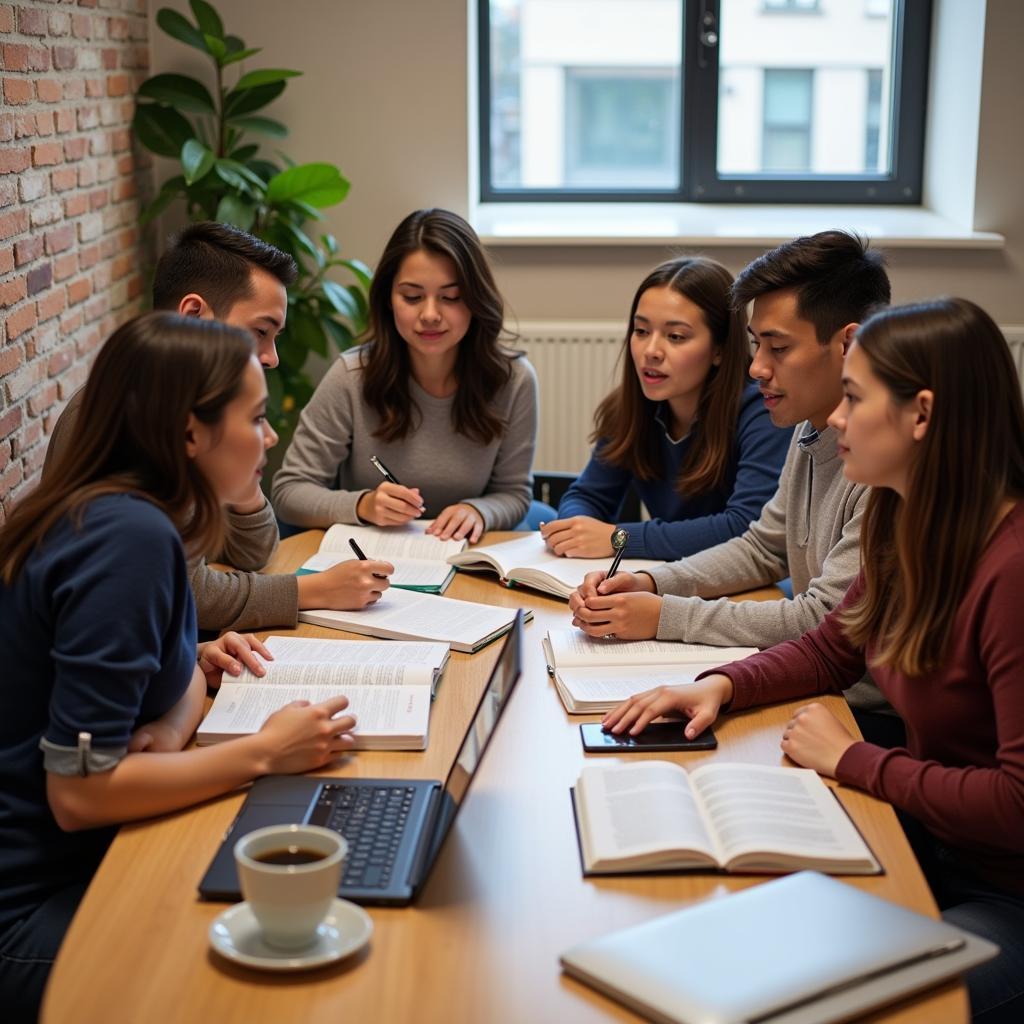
point(685, 427)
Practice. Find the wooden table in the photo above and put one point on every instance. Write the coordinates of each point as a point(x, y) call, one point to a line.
point(506, 896)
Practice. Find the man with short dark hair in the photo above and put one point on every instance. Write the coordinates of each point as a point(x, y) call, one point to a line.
point(809, 296)
point(216, 271)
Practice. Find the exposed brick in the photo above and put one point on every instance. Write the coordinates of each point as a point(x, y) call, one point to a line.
point(118, 85)
point(17, 91)
point(52, 304)
point(44, 122)
point(8, 191)
point(46, 211)
point(86, 174)
point(41, 400)
point(10, 479)
point(102, 276)
point(28, 249)
point(60, 238)
point(88, 60)
point(10, 421)
point(81, 26)
point(13, 291)
point(13, 160)
point(90, 228)
point(63, 179)
point(117, 28)
point(71, 321)
point(135, 286)
point(24, 126)
point(99, 198)
point(75, 149)
point(109, 59)
point(59, 361)
point(79, 291)
point(6, 127)
point(88, 117)
point(20, 57)
point(39, 278)
point(95, 87)
point(42, 340)
point(88, 256)
point(6, 21)
point(60, 24)
point(6, 259)
point(49, 90)
point(65, 120)
point(21, 320)
point(31, 186)
point(74, 88)
point(13, 223)
point(64, 57)
point(65, 266)
point(47, 153)
point(75, 206)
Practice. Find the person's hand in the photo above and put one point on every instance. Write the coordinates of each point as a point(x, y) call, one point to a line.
point(303, 736)
point(597, 583)
point(699, 702)
point(579, 537)
point(390, 505)
point(458, 522)
point(157, 737)
point(622, 616)
point(815, 738)
point(229, 653)
point(349, 585)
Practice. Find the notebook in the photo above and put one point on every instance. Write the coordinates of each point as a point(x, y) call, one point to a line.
point(805, 949)
point(395, 827)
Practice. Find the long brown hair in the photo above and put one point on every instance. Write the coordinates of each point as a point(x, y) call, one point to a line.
point(625, 421)
point(919, 554)
point(481, 367)
point(130, 438)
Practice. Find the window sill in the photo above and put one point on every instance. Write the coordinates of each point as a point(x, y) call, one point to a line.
point(710, 225)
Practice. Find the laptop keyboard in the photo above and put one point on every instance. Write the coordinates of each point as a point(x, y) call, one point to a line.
point(372, 819)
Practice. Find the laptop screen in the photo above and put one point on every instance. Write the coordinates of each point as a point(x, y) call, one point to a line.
point(481, 728)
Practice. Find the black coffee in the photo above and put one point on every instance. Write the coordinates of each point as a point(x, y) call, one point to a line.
point(290, 855)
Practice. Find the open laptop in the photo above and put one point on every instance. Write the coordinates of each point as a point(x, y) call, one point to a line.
point(395, 827)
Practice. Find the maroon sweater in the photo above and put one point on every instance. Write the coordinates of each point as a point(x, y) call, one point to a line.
point(962, 771)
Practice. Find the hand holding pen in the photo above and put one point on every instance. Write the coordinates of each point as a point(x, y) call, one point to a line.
point(390, 503)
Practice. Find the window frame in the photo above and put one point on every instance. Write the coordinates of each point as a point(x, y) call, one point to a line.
point(698, 136)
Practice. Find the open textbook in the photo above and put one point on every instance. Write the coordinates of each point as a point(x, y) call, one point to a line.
point(403, 615)
point(389, 687)
point(656, 816)
point(594, 675)
point(420, 561)
point(528, 562)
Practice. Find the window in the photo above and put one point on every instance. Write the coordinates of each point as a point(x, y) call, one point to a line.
point(703, 100)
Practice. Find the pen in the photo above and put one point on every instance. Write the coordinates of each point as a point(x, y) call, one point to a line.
point(361, 555)
point(391, 478)
point(620, 538)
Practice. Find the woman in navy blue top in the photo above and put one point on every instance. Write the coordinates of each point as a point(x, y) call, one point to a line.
point(685, 427)
point(101, 686)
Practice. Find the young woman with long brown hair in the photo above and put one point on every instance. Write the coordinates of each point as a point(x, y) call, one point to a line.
point(685, 428)
point(101, 688)
point(932, 419)
point(449, 412)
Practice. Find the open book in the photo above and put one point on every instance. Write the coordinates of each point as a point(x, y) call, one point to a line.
point(420, 561)
point(528, 562)
point(654, 816)
point(389, 687)
point(402, 615)
point(593, 676)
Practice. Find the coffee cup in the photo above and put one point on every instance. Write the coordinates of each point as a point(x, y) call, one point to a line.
point(289, 876)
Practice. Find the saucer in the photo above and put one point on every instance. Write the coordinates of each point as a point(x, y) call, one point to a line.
point(236, 935)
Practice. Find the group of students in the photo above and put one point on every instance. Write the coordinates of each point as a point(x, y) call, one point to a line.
point(893, 507)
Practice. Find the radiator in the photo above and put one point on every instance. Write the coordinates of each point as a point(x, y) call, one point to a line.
point(576, 367)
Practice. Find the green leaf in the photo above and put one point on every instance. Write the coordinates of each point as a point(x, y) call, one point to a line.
point(265, 76)
point(319, 185)
point(330, 243)
point(264, 168)
point(233, 56)
point(180, 28)
point(207, 18)
point(235, 210)
point(234, 44)
point(264, 125)
point(301, 239)
point(339, 333)
point(303, 210)
point(196, 161)
point(363, 274)
point(305, 329)
point(161, 130)
point(215, 47)
point(252, 180)
point(244, 152)
point(340, 299)
point(248, 100)
point(178, 91)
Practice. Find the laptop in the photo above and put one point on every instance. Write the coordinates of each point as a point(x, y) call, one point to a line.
point(395, 827)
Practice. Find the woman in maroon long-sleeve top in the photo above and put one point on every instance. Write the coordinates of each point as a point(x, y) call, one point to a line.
point(932, 419)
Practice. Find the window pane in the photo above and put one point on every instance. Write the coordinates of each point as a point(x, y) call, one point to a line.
point(808, 93)
point(585, 94)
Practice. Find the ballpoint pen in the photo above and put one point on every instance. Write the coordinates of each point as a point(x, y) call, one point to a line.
point(391, 478)
point(361, 555)
point(620, 538)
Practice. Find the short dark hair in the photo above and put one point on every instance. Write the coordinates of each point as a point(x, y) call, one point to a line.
point(837, 278)
point(216, 261)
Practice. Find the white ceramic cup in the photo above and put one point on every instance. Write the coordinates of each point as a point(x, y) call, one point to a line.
point(289, 901)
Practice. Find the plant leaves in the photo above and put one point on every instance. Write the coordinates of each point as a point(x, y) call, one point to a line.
point(248, 100)
point(305, 329)
point(215, 47)
point(301, 239)
point(233, 56)
point(362, 272)
point(180, 28)
point(330, 243)
point(233, 209)
point(318, 184)
point(234, 43)
point(160, 129)
point(339, 333)
point(264, 76)
point(196, 161)
point(263, 125)
point(180, 92)
point(244, 152)
point(303, 211)
point(207, 18)
point(264, 168)
point(239, 176)
point(341, 300)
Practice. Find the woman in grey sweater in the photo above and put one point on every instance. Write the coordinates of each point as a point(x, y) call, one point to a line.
point(434, 396)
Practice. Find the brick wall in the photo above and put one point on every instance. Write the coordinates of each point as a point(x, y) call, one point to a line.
point(70, 180)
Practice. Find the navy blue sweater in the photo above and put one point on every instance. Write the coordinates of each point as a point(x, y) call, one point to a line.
point(680, 526)
point(98, 634)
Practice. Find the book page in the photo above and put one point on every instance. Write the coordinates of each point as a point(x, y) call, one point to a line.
point(240, 708)
point(409, 572)
point(304, 649)
point(574, 647)
point(408, 541)
point(339, 678)
point(778, 810)
point(599, 684)
point(640, 809)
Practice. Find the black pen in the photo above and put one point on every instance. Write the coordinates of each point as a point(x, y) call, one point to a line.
point(620, 538)
point(361, 555)
point(391, 478)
